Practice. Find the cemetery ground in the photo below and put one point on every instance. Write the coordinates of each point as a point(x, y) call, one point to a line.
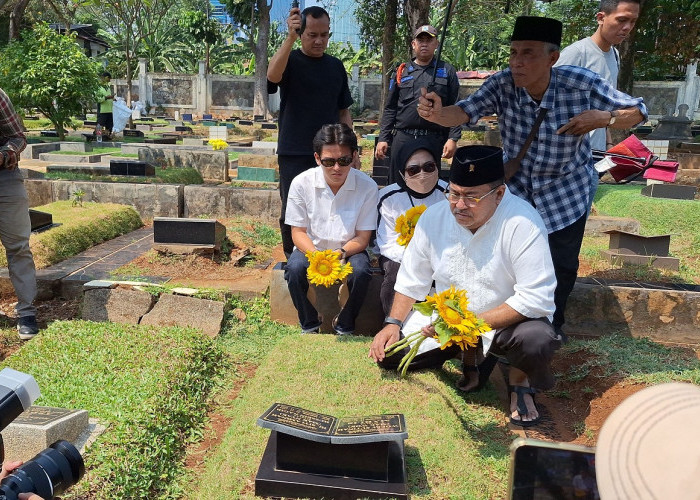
point(180, 408)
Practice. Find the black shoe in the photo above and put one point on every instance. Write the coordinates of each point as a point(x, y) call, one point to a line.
point(562, 336)
point(27, 327)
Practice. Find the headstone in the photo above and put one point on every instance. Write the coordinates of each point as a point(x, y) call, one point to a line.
point(218, 133)
point(161, 140)
point(48, 133)
point(89, 123)
point(312, 455)
point(131, 167)
point(268, 126)
point(207, 233)
point(629, 248)
point(40, 220)
point(40, 426)
point(206, 117)
point(132, 133)
point(257, 174)
point(146, 119)
point(670, 191)
point(183, 129)
point(675, 128)
point(245, 122)
point(186, 117)
point(144, 127)
point(258, 118)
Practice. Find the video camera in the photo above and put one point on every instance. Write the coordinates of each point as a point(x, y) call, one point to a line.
point(50, 472)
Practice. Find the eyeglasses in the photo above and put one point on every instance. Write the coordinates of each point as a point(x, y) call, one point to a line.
point(427, 167)
point(468, 200)
point(343, 161)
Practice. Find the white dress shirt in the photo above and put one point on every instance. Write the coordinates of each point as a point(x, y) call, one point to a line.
point(331, 220)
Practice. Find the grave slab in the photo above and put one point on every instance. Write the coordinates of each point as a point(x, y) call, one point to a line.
point(118, 305)
point(40, 220)
point(193, 141)
point(88, 169)
point(670, 191)
point(32, 151)
point(212, 165)
point(272, 146)
point(188, 231)
point(257, 174)
point(178, 310)
point(40, 426)
point(259, 161)
point(133, 133)
point(131, 167)
point(78, 147)
point(56, 158)
point(597, 225)
point(620, 257)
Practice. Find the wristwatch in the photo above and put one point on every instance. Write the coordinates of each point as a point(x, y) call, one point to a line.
point(613, 117)
point(342, 253)
point(393, 321)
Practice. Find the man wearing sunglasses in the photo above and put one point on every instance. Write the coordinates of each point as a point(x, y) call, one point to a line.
point(417, 184)
point(493, 245)
point(313, 91)
point(331, 207)
point(400, 120)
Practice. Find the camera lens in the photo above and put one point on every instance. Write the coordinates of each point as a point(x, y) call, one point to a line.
point(49, 473)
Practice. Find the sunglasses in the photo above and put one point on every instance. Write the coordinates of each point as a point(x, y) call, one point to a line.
point(427, 167)
point(343, 161)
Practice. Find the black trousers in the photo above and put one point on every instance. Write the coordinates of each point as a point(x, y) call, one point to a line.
point(290, 167)
point(565, 246)
point(386, 293)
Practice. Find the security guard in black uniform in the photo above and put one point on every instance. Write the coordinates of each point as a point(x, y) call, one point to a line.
point(400, 121)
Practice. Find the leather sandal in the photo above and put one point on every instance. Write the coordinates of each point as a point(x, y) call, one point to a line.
point(520, 391)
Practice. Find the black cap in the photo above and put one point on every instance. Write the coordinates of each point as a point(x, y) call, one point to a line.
point(476, 165)
point(537, 29)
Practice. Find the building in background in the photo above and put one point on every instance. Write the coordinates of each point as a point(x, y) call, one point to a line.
point(218, 12)
point(344, 26)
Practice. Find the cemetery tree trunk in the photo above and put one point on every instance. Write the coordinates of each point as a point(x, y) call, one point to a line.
point(390, 14)
point(16, 19)
point(417, 14)
point(258, 46)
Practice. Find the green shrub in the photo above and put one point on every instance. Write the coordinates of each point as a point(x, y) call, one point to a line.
point(163, 175)
point(148, 385)
point(81, 228)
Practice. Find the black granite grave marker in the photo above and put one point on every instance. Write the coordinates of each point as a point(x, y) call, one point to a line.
point(131, 167)
point(171, 230)
point(49, 133)
point(269, 126)
point(187, 117)
point(183, 129)
point(671, 191)
point(132, 133)
point(146, 119)
point(258, 118)
point(162, 140)
point(245, 122)
point(89, 123)
point(40, 220)
point(640, 245)
point(312, 455)
point(206, 117)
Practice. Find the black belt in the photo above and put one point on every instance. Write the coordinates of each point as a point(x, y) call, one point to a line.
point(420, 131)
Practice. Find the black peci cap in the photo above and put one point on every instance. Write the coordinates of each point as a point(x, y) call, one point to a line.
point(476, 165)
point(537, 29)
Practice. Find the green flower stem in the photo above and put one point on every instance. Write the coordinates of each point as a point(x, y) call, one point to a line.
point(406, 361)
point(401, 344)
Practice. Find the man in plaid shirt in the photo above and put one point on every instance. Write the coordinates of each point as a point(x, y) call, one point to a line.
point(15, 226)
point(556, 174)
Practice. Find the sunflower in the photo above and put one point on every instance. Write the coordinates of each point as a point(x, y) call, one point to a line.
point(325, 268)
point(217, 144)
point(406, 224)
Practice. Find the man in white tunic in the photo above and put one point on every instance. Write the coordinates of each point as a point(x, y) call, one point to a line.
point(331, 207)
point(492, 244)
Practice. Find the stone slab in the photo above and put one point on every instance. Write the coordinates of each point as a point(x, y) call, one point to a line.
point(51, 157)
point(224, 201)
point(259, 161)
point(670, 191)
point(88, 169)
point(28, 173)
point(688, 161)
point(177, 230)
point(193, 141)
point(32, 151)
point(621, 257)
point(272, 146)
point(178, 310)
point(257, 174)
point(78, 147)
point(212, 165)
point(117, 305)
point(131, 167)
point(596, 225)
point(369, 321)
point(40, 426)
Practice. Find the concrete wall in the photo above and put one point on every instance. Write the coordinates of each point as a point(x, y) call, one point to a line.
point(224, 201)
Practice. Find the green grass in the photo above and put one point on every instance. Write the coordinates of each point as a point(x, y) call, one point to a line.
point(168, 176)
point(147, 385)
point(258, 235)
point(637, 360)
point(45, 124)
point(233, 155)
point(80, 229)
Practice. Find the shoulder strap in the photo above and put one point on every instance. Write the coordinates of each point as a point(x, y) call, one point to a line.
point(533, 132)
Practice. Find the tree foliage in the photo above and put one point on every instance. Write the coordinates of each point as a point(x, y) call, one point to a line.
point(49, 72)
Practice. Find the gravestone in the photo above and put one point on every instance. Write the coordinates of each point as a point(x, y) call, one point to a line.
point(90, 123)
point(268, 126)
point(40, 220)
point(206, 117)
point(245, 122)
point(629, 248)
point(179, 235)
point(131, 167)
point(187, 117)
point(40, 426)
point(48, 133)
point(258, 118)
point(674, 128)
point(183, 129)
point(161, 140)
point(132, 133)
point(312, 455)
point(217, 132)
point(670, 191)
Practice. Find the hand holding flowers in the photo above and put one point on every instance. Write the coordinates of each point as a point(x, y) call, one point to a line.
point(455, 324)
point(325, 267)
point(406, 224)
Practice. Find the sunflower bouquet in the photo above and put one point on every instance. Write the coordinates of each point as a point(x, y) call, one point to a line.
point(218, 144)
point(406, 224)
point(325, 267)
point(455, 324)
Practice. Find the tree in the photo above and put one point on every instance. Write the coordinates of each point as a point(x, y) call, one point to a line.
point(202, 29)
point(131, 21)
point(49, 72)
point(253, 19)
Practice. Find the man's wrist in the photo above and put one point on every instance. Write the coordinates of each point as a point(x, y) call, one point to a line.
point(393, 321)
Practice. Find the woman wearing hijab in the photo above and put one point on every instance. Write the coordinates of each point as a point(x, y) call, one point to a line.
point(418, 184)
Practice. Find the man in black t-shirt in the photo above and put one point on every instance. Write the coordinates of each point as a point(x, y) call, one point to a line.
point(314, 91)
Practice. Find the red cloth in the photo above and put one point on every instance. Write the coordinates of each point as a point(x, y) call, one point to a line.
point(660, 170)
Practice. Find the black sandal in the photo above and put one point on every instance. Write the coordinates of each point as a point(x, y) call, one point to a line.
point(484, 370)
point(520, 391)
